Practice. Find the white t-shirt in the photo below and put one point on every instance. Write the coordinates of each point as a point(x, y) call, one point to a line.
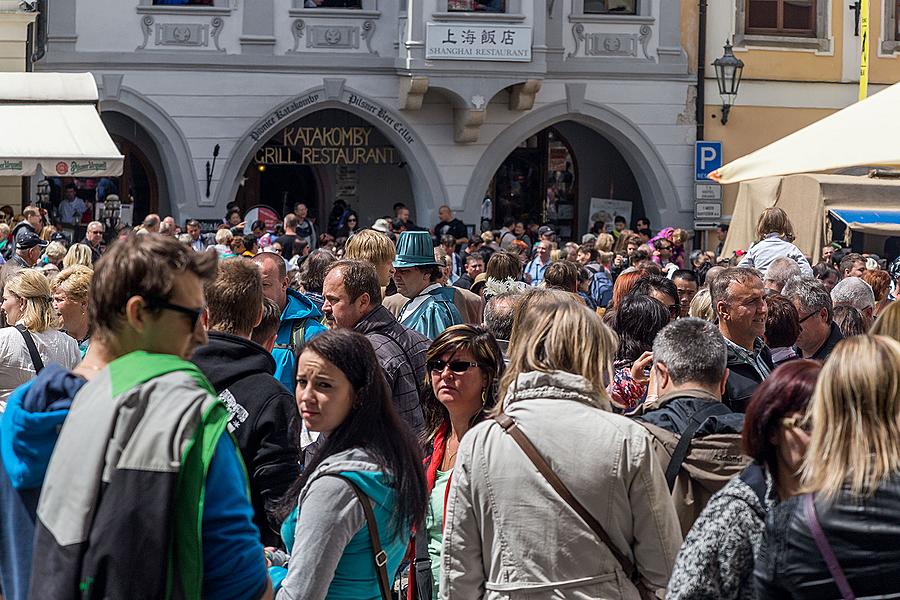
point(16, 367)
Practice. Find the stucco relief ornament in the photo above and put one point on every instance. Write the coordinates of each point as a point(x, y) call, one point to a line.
point(478, 102)
point(146, 29)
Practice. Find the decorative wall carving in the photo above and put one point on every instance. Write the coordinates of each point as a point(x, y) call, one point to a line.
point(612, 44)
point(297, 28)
point(368, 30)
point(197, 35)
point(333, 36)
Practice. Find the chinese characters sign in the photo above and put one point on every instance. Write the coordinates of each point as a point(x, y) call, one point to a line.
point(478, 42)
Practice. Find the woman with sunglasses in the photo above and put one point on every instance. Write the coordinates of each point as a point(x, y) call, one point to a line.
point(342, 394)
point(349, 227)
point(508, 532)
point(717, 557)
point(846, 508)
point(464, 364)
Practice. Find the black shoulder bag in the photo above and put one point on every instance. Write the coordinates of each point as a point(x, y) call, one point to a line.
point(32, 349)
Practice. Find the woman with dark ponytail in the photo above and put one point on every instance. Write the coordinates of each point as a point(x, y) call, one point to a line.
point(368, 455)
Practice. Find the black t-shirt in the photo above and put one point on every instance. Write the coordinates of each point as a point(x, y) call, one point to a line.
point(456, 228)
point(287, 245)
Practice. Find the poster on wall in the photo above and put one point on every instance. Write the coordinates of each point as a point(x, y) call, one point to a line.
point(262, 213)
point(605, 210)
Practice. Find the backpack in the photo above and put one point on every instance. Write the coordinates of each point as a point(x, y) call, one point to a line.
point(697, 467)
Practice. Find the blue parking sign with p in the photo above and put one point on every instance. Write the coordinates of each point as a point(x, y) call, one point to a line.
point(707, 158)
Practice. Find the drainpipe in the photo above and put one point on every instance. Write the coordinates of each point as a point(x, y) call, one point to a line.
point(701, 70)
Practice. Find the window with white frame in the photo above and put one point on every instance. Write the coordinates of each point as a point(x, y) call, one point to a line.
point(781, 17)
point(610, 7)
point(483, 6)
point(801, 24)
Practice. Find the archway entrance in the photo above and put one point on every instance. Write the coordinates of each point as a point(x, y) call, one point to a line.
point(327, 156)
point(566, 175)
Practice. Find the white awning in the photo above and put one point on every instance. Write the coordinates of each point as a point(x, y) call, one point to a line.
point(863, 134)
point(51, 120)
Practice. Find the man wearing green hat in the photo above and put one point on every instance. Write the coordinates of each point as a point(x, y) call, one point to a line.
point(430, 308)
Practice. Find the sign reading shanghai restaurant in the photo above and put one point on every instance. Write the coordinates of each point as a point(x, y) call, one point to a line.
point(478, 42)
point(326, 146)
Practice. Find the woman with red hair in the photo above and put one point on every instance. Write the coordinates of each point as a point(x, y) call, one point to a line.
point(718, 554)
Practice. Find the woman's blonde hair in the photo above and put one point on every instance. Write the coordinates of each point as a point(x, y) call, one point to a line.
point(701, 306)
point(604, 243)
point(75, 282)
point(553, 331)
point(855, 414)
point(774, 220)
point(55, 252)
point(31, 286)
point(888, 322)
point(78, 254)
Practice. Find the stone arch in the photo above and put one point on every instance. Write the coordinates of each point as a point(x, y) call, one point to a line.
point(654, 180)
point(425, 178)
point(182, 190)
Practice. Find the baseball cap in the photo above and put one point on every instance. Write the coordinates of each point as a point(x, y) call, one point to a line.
point(546, 230)
point(59, 237)
point(29, 241)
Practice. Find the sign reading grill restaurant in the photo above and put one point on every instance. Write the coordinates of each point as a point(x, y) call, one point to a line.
point(506, 43)
point(326, 146)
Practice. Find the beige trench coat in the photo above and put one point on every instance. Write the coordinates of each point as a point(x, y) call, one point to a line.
point(508, 535)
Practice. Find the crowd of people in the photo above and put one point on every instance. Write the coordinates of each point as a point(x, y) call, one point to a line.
point(401, 412)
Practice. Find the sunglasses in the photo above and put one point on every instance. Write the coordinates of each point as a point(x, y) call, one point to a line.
point(193, 313)
point(798, 422)
point(457, 366)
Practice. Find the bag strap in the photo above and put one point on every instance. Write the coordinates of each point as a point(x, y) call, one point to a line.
point(831, 561)
point(510, 427)
point(684, 442)
point(380, 557)
point(32, 349)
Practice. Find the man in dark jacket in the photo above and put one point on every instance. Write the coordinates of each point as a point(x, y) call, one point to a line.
point(33, 223)
point(242, 374)
point(739, 298)
point(818, 333)
point(697, 438)
point(353, 301)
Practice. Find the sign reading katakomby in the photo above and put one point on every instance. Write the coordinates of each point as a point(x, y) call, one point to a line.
point(471, 41)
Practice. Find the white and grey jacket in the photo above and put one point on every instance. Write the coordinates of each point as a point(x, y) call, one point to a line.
point(509, 535)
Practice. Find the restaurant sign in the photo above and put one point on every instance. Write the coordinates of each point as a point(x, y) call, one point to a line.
point(326, 146)
point(506, 43)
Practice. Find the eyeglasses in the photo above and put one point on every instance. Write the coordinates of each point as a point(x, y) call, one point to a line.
point(457, 366)
point(674, 309)
point(813, 313)
point(797, 422)
point(193, 313)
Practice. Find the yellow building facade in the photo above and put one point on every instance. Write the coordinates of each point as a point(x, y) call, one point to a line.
point(801, 63)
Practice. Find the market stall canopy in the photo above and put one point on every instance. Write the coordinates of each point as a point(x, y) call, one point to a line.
point(867, 204)
point(864, 133)
point(51, 120)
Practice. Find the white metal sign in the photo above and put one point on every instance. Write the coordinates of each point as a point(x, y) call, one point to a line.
point(707, 210)
point(478, 42)
point(708, 192)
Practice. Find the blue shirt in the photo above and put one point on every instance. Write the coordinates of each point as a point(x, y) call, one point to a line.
point(536, 270)
point(233, 562)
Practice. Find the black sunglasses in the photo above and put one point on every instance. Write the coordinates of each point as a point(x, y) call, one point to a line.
point(812, 314)
point(193, 313)
point(457, 366)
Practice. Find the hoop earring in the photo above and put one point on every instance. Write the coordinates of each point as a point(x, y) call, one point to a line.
point(483, 397)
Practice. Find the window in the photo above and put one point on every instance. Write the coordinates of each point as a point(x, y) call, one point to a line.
point(489, 6)
point(611, 7)
point(183, 2)
point(332, 4)
point(781, 17)
point(896, 21)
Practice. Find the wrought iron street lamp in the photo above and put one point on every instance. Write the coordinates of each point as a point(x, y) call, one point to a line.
point(728, 74)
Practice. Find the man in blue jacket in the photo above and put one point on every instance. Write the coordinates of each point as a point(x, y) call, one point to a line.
point(300, 319)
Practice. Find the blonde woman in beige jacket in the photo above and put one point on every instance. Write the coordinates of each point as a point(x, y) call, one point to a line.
point(508, 534)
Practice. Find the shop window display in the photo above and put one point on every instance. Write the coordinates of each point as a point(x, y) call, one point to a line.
point(491, 6)
point(618, 7)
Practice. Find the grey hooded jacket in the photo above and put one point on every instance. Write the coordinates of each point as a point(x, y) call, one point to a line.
point(508, 535)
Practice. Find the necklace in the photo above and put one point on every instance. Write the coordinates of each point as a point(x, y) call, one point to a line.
point(91, 367)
